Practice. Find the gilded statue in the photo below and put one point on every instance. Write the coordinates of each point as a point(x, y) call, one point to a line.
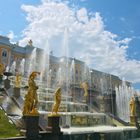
point(84, 85)
point(1, 69)
point(18, 80)
point(31, 100)
point(132, 107)
point(57, 101)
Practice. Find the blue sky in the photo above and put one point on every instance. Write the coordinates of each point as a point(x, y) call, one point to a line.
point(121, 18)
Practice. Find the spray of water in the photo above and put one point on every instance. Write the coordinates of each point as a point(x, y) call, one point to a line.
point(123, 96)
point(13, 67)
point(22, 66)
point(32, 62)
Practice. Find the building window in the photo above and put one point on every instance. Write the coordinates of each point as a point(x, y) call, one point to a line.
point(4, 53)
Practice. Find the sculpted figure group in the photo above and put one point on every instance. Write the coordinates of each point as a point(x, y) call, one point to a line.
point(31, 99)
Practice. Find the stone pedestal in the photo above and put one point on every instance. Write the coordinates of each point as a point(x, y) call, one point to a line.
point(31, 125)
point(137, 102)
point(53, 124)
point(52, 136)
point(7, 83)
point(133, 120)
point(16, 93)
point(96, 136)
point(1, 76)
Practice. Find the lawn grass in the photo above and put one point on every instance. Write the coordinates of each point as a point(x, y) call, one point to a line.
point(7, 128)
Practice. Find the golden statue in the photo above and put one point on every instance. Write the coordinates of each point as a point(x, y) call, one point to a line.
point(57, 101)
point(31, 100)
point(18, 80)
point(1, 69)
point(84, 85)
point(132, 107)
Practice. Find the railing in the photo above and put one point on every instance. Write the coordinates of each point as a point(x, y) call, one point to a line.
point(118, 119)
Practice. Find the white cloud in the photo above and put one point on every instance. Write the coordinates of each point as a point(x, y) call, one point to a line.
point(11, 36)
point(82, 15)
point(125, 41)
point(88, 39)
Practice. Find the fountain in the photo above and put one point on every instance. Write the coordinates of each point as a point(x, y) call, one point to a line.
point(72, 71)
point(44, 62)
point(72, 79)
point(7, 69)
point(103, 82)
point(13, 68)
point(78, 117)
point(75, 114)
point(59, 77)
point(22, 67)
point(66, 60)
point(123, 96)
point(32, 62)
